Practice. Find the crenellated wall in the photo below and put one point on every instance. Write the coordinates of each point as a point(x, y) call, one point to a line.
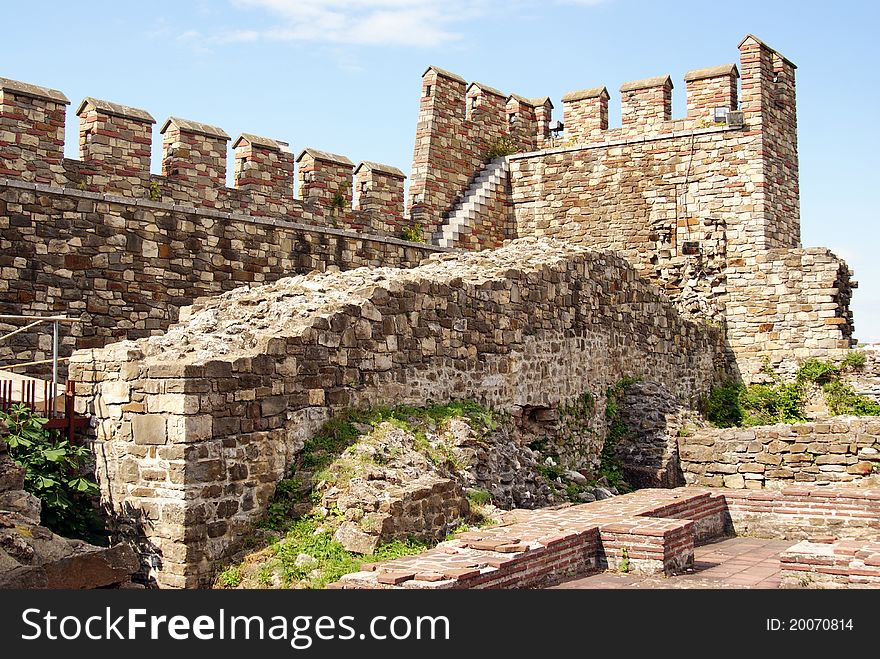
point(114, 148)
point(706, 209)
point(103, 240)
point(458, 125)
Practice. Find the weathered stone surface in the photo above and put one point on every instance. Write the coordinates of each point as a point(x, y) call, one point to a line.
point(350, 536)
point(563, 337)
point(774, 458)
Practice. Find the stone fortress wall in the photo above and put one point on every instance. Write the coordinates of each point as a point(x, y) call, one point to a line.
point(667, 250)
point(195, 428)
point(103, 240)
point(707, 209)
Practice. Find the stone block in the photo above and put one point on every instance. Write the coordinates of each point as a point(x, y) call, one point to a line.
point(190, 429)
point(149, 429)
point(115, 392)
point(735, 481)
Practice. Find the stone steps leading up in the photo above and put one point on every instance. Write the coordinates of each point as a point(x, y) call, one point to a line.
point(472, 203)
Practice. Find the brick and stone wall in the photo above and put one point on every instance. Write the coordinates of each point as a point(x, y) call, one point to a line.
point(708, 211)
point(125, 266)
point(104, 240)
point(194, 428)
point(838, 449)
point(655, 531)
point(788, 305)
point(457, 125)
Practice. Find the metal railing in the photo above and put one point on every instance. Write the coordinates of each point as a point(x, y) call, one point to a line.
point(35, 321)
point(57, 403)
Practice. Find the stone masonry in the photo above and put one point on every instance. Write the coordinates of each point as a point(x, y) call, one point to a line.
point(840, 449)
point(705, 206)
point(125, 266)
point(104, 240)
point(194, 428)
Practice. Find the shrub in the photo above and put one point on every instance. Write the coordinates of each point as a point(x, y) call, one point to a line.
point(54, 474)
point(733, 404)
point(503, 146)
point(842, 399)
point(723, 408)
point(413, 233)
point(815, 370)
point(855, 360)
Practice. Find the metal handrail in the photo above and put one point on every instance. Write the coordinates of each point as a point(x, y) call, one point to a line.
point(37, 320)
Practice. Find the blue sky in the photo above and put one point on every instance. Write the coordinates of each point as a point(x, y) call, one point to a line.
point(344, 75)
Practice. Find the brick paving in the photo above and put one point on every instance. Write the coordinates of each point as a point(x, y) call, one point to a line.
point(727, 563)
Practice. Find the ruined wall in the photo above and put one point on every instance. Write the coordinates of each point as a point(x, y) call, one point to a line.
point(838, 449)
point(645, 199)
point(125, 266)
point(194, 428)
point(784, 306)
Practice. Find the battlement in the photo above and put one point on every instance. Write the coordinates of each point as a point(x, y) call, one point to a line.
point(459, 126)
point(115, 143)
point(646, 105)
point(459, 122)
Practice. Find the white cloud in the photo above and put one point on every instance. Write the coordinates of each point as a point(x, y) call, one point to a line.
point(364, 22)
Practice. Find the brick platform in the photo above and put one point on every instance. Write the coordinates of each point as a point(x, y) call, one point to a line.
point(535, 548)
point(650, 531)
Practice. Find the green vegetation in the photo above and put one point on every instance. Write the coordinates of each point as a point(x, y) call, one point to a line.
point(842, 399)
point(609, 464)
point(326, 560)
point(154, 192)
point(854, 360)
point(230, 577)
point(338, 202)
point(299, 548)
point(478, 497)
point(54, 473)
point(503, 146)
point(623, 565)
point(735, 404)
point(320, 453)
point(414, 233)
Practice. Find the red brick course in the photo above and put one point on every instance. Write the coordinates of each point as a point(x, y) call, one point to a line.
point(649, 531)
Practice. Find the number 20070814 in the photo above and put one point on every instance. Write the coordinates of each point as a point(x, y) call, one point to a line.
point(809, 624)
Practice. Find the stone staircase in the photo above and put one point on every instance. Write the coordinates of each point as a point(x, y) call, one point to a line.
point(472, 202)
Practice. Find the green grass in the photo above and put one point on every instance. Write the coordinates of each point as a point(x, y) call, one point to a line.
point(309, 536)
point(320, 461)
point(478, 497)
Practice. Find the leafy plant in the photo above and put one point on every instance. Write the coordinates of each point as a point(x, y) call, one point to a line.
point(478, 497)
point(231, 577)
point(154, 192)
point(723, 408)
point(769, 404)
point(854, 360)
point(841, 398)
point(623, 565)
point(734, 404)
point(413, 233)
point(338, 202)
point(815, 370)
point(54, 474)
point(503, 146)
point(609, 463)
